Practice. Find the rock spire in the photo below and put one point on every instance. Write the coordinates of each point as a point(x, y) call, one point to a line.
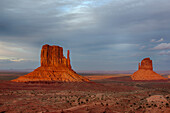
point(145, 71)
point(54, 67)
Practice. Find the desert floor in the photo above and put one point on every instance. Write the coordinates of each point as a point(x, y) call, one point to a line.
point(115, 93)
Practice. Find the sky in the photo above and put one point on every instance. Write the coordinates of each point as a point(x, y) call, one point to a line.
point(103, 35)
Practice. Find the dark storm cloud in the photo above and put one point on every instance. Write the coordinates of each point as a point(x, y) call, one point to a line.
point(134, 18)
point(90, 28)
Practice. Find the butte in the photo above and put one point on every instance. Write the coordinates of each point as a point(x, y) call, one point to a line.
point(145, 71)
point(54, 67)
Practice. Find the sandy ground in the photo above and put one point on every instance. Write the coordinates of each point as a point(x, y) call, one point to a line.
point(100, 77)
point(106, 94)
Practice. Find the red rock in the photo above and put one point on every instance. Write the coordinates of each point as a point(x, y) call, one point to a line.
point(54, 67)
point(145, 72)
point(146, 64)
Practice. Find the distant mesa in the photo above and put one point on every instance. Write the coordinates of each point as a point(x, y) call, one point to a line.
point(54, 67)
point(145, 71)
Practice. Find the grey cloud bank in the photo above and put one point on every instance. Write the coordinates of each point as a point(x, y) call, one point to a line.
point(102, 35)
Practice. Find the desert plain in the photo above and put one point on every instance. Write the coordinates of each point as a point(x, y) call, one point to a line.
point(106, 93)
point(84, 56)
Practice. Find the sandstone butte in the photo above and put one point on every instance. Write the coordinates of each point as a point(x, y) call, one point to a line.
point(145, 71)
point(54, 67)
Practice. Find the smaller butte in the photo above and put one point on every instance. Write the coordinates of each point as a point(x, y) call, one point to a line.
point(145, 71)
point(54, 67)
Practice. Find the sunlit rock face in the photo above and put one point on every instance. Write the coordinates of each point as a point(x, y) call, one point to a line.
point(146, 64)
point(54, 67)
point(53, 56)
point(145, 71)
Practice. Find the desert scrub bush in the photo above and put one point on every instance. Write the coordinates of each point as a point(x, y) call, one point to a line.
point(82, 102)
point(102, 104)
point(67, 101)
point(87, 100)
point(79, 99)
point(167, 105)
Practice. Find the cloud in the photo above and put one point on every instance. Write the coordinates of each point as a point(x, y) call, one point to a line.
point(17, 60)
point(154, 40)
point(162, 46)
point(89, 28)
point(142, 47)
point(16, 63)
point(15, 51)
point(11, 60)
point(164, 53)
point(160, 40)
point(5, 61)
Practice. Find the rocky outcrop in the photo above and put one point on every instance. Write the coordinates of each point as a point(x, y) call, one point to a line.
point(145, 71)
point(53, 56)
point(146, 64)
point(54, 67)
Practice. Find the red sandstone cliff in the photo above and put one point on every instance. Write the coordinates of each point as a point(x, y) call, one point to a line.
point(145, 71)
point(54, 67)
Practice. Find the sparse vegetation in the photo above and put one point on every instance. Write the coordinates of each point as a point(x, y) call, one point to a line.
point(114, 95)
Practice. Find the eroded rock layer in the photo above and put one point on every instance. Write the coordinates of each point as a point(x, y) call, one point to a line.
point(54, 67)
point(145, 71)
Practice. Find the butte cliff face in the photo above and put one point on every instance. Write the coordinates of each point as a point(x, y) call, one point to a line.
point(145, 71)
point(53, 56)
point(54, 67)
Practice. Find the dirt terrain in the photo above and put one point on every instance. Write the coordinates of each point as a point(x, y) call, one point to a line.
point(109, 94)
point(104, 76)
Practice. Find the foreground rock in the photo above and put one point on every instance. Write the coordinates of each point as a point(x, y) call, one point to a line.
point(54, 67)
point(145, 72)
point(157, 99)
